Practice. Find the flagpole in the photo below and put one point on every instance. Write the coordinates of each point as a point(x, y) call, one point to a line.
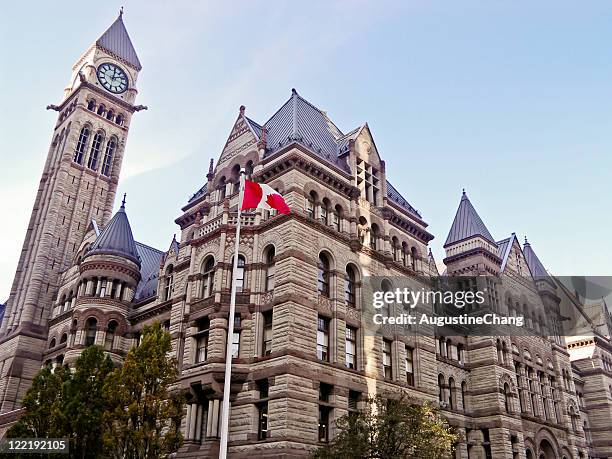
point(230, 332)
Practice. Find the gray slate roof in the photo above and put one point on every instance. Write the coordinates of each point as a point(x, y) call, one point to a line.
point(149, 271)
point(300, 121)
point(535, 265)
point(117, 41)
point(467, 223)
point(116, 239)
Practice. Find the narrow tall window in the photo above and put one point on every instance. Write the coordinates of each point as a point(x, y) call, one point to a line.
point(374, 234)
point(90, 331)
point(236, 344)
point(324, 423)
point(262, 416)
point(323, 275)
point(351, 348)
point(507, 402)
point(270, 269)
point(208, 277)
point(169, 284)
point(336, 219)
point(110, 335)
point(267, 333)
point(239, 273)
point(464, 395)
point(452, 400)
point(323, 339)
point(409, 366)
point(441, 388)
point(108, 157)
point(386, 359)
point(81, 145)
point(201, 338)
point(324, 212)
point(349, 287)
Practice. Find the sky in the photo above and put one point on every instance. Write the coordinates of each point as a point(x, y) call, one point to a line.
point(509, 100)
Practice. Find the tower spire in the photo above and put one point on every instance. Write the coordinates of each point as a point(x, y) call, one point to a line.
point(123, 202)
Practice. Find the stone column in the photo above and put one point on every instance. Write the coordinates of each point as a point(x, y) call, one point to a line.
point(209, 419)
point(109, 287)
point(188, 421)
point(119, 291)
point(215, 418)
point(192, 421)
point(89, 287)
point(198, 423)
point(99, 287)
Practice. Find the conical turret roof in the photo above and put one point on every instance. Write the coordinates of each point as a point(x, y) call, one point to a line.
point(467, 223)
point(535, 265)
point(117, 238)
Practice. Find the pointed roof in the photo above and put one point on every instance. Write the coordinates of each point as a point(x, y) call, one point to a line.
point(117, 238)
point(116, 41)
point(467, 223)
point(300, 121)
point(535, 265)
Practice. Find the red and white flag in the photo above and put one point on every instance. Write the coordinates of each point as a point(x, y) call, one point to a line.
point(262, 196)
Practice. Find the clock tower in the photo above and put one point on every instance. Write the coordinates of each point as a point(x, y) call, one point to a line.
point(78, 186)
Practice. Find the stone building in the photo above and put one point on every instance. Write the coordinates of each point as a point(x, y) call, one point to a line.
point(301, 357)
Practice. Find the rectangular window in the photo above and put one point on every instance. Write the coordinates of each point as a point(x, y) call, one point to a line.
point(353, 400)
point(236, 344)
point(323, 339)
point(202, 340)
point(267, 333)
point(325, 391)
point(409, 366)
point(387, 368)
point(351, 348)
point(262, 432)
point(324, 423)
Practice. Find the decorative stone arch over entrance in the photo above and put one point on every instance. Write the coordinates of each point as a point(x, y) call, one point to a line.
point(547, 445)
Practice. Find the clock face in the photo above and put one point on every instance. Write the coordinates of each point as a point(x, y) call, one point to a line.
point(113, 78)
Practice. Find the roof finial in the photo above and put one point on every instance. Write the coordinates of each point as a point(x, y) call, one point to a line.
point(210, 166)
point(123, 202)
point(120, 11)
point(242, 109)
point(464, 192)
point(526, 242)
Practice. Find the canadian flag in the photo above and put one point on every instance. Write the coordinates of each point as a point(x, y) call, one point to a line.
point(262, 196)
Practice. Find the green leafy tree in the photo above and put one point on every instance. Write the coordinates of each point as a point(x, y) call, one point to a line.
point(83, 404)
point(143, 417)
point(391, 429)
point(42, 406)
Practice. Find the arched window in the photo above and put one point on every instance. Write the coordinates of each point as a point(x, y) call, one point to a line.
point(507, 398)
point(441, 388)
point(350, 287)
point(90, 331)
point(500, 354)
point(52, 343)
point(81, 145)
point(101, 110)
point(110, 335)
point(505, 353)
point(110, 115)
point(405, 254)
point(169, 283)
point(324, 213)
point(64, 338)
point(235, 174)
point(572, 414)
point(239, 273)
point(374, 235)
point(91, 105)
point(442, 346)
point(111, 145)
point(464, 395)
point(395, 247)
point(323, 275)
point(311, 205)
point(248, 169)
point(452, 400)
point(336, 217)
point(269, 255)
point(222, 188)
point(413, 257)
point(119, 120)
point(208, 277)
point(94, 153)
point(460, 353)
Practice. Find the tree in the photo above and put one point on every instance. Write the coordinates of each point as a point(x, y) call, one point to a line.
point(143, 417)
point(42, 406)
point(83, 404)
point(391, 429)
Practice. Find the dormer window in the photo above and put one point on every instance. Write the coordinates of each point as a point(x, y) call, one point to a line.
point(368, 182)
